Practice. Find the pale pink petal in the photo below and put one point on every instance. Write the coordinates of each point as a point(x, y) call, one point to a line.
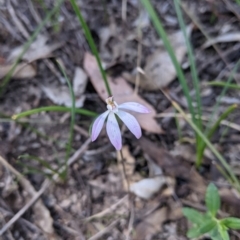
point(131, 122)
point(98, 125)
point(133, 106)
point(113, 131)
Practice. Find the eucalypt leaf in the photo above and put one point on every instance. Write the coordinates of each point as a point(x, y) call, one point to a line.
point(207, 223)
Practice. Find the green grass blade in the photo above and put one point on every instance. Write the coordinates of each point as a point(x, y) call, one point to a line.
point(214, 128)
point(44, 163)
point(28, 44)
point(91, 43)
point(215, 109)
point(162, 33)
point(33, 170)
point(191, 60)
point(223, 84)
point(53, 109)
point(238, 2)
point(73, 110)
point(193, 72)
point(234, 180)
point(223, 93)
point(222, 117)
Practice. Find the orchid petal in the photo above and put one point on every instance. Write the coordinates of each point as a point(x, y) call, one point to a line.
point(98, 125)
point(131, 122)
point(113, 131)
point(133, 106)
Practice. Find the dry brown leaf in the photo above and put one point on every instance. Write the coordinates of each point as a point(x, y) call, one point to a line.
point(147, 187)
point(151, 225)
point(38, 50)
point(142, 20)
point(159, 70)
point(22, 71)
point(228, 37)
point(174, 167)
point(122, 92)
point(61, 95)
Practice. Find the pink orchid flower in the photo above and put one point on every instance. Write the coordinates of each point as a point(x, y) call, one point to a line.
point(113, 129)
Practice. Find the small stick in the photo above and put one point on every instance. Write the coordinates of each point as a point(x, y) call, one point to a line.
point(108, 210)
point(17, 21)
point(204, 118)
point(104, 231)
point(124, 10)
point(44, 186)
point(131, 221)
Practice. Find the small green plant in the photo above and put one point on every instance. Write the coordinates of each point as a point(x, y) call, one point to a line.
point(208, 223)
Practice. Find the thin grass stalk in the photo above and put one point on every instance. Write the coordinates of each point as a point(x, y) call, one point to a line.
point(28, 44)
point(214, 128)
point(44, 163)
point(193, 73)
point(53, 109)
point(191, 59)
point(91, 43)
point(224, 90)
point(223, 84)
point(72, 123)
point(210, 123)
point(234, 179)
point(162, 33)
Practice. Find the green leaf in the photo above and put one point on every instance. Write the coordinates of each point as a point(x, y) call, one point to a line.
point(204, 227)
point(193, 215)
point(223, 232)
point(214, 234)
point(212, 199)
point(207, 226)
point(231, 222)
point(193, 233)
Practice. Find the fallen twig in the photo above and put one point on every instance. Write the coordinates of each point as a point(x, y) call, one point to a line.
point(108, 210)
point(104, 231)
point(36, 195)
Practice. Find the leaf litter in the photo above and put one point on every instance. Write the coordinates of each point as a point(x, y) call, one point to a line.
point(61, 95)
point(159, 70)
point(96, 189)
